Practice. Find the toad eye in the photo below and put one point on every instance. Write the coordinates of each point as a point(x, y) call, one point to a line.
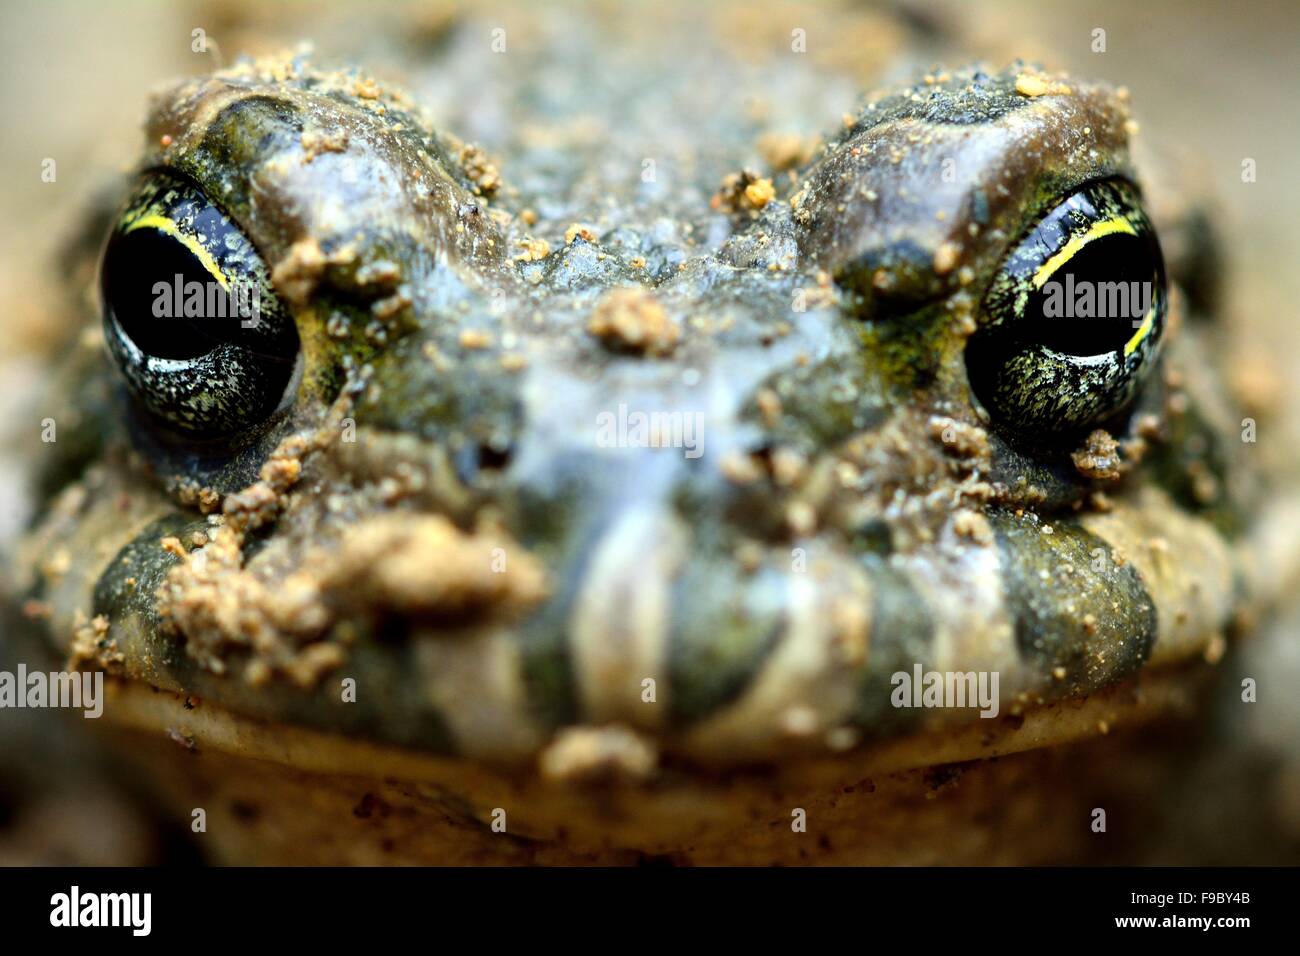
point(190, 315)
point(1074, 318)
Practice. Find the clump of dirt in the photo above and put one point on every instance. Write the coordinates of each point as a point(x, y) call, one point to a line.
point(280, 620)
point(741, 192)
point(1099, 457)
point(633, 320)
point(425, 565)
point(1038, 84)
point(480, 170)
point(220, 606)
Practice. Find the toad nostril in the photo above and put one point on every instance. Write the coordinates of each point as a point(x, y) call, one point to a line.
point(491, 458)
point(477, 458)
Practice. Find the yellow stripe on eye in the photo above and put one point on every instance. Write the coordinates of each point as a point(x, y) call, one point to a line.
point(163, 224)
point(1102, 227)
point(1148, 323)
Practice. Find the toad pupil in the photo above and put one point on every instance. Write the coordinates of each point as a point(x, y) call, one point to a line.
point(1114, 308)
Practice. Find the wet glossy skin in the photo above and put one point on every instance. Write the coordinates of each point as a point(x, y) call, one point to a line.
point(434, 516)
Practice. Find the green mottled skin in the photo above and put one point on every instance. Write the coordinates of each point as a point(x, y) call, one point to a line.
point(862, 375)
